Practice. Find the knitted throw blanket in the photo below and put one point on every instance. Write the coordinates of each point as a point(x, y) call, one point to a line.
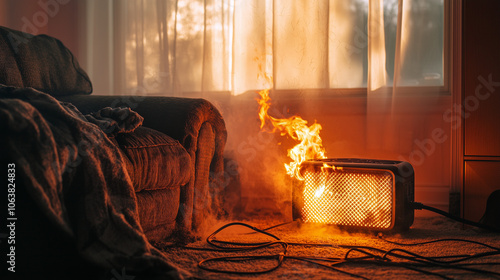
point(77, 179)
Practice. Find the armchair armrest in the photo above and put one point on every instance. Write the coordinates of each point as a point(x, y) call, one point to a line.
point(179, 118)
point(197, 125)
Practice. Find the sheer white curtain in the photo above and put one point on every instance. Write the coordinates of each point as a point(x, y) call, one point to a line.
point(176, 46)
point(399, 103)
point(166, 47)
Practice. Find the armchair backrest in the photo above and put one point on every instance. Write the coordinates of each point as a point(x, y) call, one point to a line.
point(41, 62)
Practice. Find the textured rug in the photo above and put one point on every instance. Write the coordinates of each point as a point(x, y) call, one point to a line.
point(423, 229)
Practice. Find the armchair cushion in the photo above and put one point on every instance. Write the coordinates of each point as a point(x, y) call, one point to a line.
point(155, 161)
point(41, 62)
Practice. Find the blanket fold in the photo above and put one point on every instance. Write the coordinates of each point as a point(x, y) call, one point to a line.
point(77, 178)
point(115, 120)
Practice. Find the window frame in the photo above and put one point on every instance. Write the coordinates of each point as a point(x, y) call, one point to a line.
point(403, 91)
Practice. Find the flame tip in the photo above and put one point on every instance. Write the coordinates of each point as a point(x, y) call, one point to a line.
point(310, 146)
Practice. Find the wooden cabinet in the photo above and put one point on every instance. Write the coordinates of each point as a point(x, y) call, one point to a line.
point(481, 179)
point(480, 104)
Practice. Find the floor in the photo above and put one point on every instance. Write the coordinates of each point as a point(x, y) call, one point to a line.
point(423, 229)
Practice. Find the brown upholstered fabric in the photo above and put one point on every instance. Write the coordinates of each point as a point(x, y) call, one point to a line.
point(156, 161)
point(203, 196)
point(181, 119)
point(41, 62)
point(157, 212)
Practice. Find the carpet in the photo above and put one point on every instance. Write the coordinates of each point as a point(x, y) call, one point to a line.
point(423, 229)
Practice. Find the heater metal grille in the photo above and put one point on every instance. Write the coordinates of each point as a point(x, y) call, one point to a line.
point(349, 197)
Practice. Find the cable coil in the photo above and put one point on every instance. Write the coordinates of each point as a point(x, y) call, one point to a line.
point(395, 257)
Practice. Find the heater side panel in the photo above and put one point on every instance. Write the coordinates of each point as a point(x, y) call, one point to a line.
point(405, 195)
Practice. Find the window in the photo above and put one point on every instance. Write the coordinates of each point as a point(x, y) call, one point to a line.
point(325, 44)
point(227, 45)
point(424, 57)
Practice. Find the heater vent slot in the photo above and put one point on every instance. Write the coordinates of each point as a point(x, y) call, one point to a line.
point(349, 197)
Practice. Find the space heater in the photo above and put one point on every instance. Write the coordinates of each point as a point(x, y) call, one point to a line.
point(355, 194)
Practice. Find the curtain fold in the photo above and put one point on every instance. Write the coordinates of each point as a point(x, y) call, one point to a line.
point(301, 44)
point(380, 126)
point(253, 45)
point(377, 73)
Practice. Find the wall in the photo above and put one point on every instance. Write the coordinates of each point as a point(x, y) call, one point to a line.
point(56, 18)
point(480, 103)
point(349, 132)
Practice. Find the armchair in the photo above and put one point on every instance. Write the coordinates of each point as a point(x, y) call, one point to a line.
point(200, 129)
point(167, 172)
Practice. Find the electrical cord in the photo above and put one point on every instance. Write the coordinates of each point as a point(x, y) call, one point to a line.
point(309, 260)
point(279, 257)
point(384, 261)
point(413, 257)
point(242, 246)
point(280, 225)
point(420, 206)
point(220, 244)
point(433, 262)
point(454, 261)
point(370, 255)
point(381, 237)
point(211, 239)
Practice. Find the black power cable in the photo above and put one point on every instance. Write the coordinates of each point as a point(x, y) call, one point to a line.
point(371, 255)
point(420, 206)
point(410, 261)
point(452, 261)
point(231, 246)
point(381, 237)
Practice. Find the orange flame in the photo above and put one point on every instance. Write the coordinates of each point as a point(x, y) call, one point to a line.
point(310, 146)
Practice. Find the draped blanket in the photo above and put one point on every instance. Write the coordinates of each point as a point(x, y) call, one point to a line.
point(78, 180)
